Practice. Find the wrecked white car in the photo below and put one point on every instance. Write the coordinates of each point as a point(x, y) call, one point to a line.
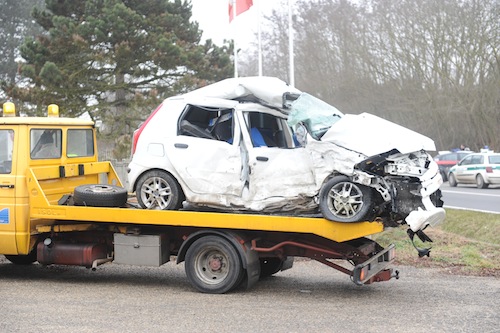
point(257, 144)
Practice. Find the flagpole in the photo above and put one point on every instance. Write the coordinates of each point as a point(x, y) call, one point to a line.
point(290, 44)
point(259, 39)
point(234, 42)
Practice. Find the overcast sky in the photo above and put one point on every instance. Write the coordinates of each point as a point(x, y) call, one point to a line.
point(213, 17)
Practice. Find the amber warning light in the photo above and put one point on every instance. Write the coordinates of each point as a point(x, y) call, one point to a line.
point(9, 109)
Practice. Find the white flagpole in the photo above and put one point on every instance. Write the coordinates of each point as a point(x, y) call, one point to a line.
point(234, 42)
point(259, 40)
point(290, 44)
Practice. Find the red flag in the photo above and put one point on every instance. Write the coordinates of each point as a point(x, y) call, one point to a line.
point(241, 6)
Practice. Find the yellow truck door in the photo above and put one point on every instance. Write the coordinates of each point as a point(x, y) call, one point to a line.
point(7, 190)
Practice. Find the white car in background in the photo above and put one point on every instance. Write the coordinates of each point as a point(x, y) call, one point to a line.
point(257, 144)
point(482, 169)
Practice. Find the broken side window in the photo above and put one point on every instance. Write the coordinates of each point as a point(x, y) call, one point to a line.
point(207, 123)
point(267, 130)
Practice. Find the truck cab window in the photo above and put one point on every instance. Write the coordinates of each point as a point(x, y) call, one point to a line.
point(6, 147)
point(45, 143)
point(80, 143)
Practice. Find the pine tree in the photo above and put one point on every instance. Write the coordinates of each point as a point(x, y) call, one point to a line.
point(116, 59)
point(15, 24)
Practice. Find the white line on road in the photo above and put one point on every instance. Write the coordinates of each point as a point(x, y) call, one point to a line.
point(474, 210)
point(471, 193)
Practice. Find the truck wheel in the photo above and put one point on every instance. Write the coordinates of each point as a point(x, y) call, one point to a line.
point(100, 195)
point(213, 265)
point(270, 266)
point(342, 200)
point(22, 259)
point(158, 189)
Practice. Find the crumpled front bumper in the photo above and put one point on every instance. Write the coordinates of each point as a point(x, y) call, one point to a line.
point(421, 218)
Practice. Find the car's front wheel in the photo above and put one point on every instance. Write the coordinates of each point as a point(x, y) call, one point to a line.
point(342, 200)
point(452, 180)
point(157, 189)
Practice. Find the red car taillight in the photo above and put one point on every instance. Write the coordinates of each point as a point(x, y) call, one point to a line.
point(489, 169)
point(137, 132)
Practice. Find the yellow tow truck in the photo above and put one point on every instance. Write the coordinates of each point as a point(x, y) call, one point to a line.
point(59, 205)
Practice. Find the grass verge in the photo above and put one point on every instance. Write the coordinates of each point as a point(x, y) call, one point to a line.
point(466, 243)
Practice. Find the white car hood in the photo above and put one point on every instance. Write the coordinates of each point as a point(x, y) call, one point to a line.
point(370, 135)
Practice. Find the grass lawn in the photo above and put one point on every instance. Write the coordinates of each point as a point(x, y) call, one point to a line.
point(466, 243)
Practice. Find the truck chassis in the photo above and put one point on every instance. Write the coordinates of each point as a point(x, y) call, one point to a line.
point(221, 251)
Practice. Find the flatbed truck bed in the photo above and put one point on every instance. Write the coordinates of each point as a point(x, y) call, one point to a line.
point(272, 238)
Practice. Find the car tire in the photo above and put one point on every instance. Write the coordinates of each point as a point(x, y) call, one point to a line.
point(480, 182)
point(443, 175)
point(158, 189)
point(452, 180)
point(213, 265)
point(100, 195)
point(342, 200)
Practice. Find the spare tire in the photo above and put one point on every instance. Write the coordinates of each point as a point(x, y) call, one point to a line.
point(100, 195)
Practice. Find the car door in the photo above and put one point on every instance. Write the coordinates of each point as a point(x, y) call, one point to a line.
point(463, 170)
point(206, 153)
point(8, 184)
point(278, 169)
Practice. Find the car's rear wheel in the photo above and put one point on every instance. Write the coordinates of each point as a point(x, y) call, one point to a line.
point(157, 189)
point(452, 180)
point(480, 182)
point(342, 200)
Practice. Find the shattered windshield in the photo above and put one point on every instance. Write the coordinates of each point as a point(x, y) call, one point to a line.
point(317, 116)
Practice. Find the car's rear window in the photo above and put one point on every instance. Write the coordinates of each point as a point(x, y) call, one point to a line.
point(494, 159)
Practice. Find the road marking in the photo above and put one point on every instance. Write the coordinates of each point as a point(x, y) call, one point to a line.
point(473, 210)
point(471, 193)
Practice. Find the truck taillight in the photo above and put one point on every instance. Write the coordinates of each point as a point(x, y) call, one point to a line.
point(137, 132)
point(9, 109)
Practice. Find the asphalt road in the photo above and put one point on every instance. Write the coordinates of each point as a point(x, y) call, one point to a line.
point(308, 298)
point(471, 198)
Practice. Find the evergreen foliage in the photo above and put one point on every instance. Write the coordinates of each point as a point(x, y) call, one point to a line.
point(115, 59)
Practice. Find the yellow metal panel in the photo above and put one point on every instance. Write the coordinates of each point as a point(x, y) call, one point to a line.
point(335, 231)
point(41, 207)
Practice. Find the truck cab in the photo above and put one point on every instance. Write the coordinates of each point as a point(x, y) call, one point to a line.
point(27, 142)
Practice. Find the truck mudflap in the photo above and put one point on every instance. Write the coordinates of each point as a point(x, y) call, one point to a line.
point(375, 268)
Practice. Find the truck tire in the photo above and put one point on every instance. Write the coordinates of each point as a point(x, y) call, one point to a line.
point(158, 189)
point(270, 266)
point(213, 265)
point(100, 195)
point(342, 200)
point(22, 259)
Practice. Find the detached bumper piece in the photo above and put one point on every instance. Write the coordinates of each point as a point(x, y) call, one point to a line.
point(375, 268)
